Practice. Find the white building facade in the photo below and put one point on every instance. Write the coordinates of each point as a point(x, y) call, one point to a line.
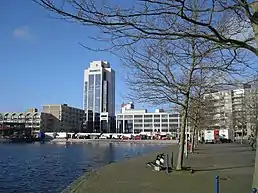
point(136, 121)
point(230, 109)
point(99, 97)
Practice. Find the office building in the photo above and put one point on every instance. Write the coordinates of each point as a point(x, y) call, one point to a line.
point(232, 109)
point(66, 118)
point(32, 119)
point(99, 97)
point(135, 121)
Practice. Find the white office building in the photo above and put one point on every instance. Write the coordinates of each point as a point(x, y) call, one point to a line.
point(232, 109)
point(135, 121)
point(99, 97)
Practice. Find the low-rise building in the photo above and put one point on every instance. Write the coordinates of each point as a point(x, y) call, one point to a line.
point(32, 118)
point(67, 118)
point(135, 121)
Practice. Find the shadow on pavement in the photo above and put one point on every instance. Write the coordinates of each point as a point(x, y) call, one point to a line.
point(220, 169)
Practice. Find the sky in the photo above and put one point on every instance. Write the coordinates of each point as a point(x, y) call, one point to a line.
point(41, 61)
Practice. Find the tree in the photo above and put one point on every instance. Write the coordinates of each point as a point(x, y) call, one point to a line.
point(213, 27)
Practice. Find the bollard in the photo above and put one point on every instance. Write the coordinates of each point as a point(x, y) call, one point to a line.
point(217, 184)
point(172, 160)
point(254, 190)
point(167, 164)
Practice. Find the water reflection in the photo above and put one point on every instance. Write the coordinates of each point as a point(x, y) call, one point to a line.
point(44, 168)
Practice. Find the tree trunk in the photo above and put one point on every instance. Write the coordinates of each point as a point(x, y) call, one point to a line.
point(254, 7)
point(196, 138)
point(193, 141)
point(182, 137)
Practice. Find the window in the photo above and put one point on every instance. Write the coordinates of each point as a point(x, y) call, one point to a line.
point(173, 115)
point(94, 70)
point(147, 116)
point(128, 116)
point(137, 116)
point(91, 92)
point(105, 96)
point(85, 94)
point(97, 92)
point(157, 120)
point(136, 131)
point(148, 120)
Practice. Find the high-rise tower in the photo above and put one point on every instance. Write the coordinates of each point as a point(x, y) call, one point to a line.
point(99, 97)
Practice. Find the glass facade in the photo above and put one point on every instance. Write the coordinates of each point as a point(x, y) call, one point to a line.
point(97, 92)
point(99, 96)
point(91, 92)
point(105, 96)
point(85, 94)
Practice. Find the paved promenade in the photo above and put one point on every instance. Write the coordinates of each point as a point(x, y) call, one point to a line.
point(234, 163)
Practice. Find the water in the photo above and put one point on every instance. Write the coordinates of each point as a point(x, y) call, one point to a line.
point(31, 168)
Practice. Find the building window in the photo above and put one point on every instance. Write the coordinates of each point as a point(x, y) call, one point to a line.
point(91, 92)
point(136, 131)
point(97, 92)
point(85, 94)
point(128, 116)
point(173, 115)
point(147, 116)
point(137, 116)
point(94, 70)
point(105, 96)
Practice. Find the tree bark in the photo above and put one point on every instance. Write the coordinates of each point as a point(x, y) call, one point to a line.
point(254, 7)
point(193, 141)
point(182, 137)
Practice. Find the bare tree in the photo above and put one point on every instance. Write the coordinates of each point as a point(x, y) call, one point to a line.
point(227, 23)
point(166, 43)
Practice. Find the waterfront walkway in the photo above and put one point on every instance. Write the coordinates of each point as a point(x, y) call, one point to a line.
point(234, 163)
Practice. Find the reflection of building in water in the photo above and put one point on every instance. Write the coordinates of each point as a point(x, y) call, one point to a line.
point(111, 155)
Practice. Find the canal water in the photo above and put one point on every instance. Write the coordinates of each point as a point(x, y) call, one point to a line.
point(42, 168)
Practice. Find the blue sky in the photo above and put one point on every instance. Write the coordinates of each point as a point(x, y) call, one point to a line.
point(41, 60)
